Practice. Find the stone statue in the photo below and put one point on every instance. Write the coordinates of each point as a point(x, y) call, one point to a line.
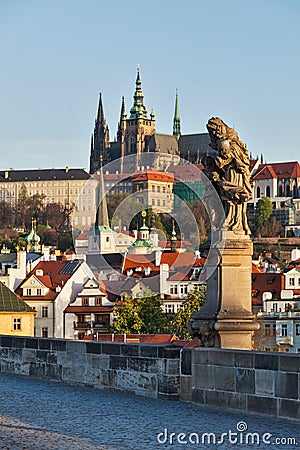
point(230, 174)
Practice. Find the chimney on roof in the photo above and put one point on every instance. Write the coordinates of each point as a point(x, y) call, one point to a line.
point(163, 276)
point(12, 169)
point(67, 169)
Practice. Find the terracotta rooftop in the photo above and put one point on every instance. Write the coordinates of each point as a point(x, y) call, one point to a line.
point(137, 338)
point(278, 170)
point(55, 274)
point(264, 172)
point(154, 176)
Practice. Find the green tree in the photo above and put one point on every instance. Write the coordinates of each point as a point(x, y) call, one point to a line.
point(193, 303)
point(271, 228)
point(6, 214)
point(263, 210)
point(28, 207)
point(65, 241)
point(141, 315)
point(56, 216)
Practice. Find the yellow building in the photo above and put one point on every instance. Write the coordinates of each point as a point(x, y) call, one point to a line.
point(72, 188)
point(16, 317)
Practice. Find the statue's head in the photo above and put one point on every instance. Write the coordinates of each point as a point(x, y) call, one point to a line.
point(216, 127)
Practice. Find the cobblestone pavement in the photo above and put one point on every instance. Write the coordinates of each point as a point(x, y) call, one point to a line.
point(38, 414)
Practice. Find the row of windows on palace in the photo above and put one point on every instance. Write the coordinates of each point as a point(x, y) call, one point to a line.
point(270, 329)
point(287, 192)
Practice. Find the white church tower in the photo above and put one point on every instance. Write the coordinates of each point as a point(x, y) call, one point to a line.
point(102, 239)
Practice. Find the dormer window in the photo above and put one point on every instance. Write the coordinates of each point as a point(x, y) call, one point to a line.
point(85, 301)
point(98, 301)
point(28, 291)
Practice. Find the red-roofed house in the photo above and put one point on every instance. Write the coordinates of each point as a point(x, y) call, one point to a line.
point(281, 183)
point(48, 289)
point(277, 180)
point(155, 189)
point(91, 312)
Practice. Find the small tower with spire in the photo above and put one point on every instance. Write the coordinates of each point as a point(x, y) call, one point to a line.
point(100, 140)
point(102, 239)
point(33, 240)
point(176, 121)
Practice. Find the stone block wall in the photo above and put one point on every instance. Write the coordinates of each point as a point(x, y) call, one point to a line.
point(248, 381)
point(147, 370)
point(254, 382)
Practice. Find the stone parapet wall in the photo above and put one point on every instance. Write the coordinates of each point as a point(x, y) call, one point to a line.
point(254, 382)
point(248, 381)
point(147, 370)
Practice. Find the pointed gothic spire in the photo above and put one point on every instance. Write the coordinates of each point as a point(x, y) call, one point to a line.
point(176, 121)
point(100, 115)
point(102, 213)
point(123, 114)
point(138, 110)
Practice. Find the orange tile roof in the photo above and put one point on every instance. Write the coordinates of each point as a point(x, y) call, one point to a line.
point(187, 343)
point(154, 176)
point(264, 172)
point(280, 170)
point(46, 280)
point(52, 278)
point(173, 259)
point(88, 309)
point(256, 269)
point(139, 338)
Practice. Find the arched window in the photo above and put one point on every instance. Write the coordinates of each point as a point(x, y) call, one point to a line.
point(258, 192)
point(280, 191)
point(268, 191)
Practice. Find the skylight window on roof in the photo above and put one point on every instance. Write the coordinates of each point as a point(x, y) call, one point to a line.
point(70, 267)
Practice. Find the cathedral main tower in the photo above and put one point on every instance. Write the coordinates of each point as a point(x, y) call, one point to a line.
point(133, 131)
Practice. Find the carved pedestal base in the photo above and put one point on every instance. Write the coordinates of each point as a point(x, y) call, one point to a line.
point(226, 319)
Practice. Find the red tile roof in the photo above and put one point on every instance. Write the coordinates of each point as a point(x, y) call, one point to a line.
point(154, 176)
point(51, 278)
point(187, 343)
point(46, 280)
point(88, 309)
point(266, 282)
point(138, 338)
point(180, 276)
point(264, 172)
point(173, 259)
point(280, 170)
point(256, 269)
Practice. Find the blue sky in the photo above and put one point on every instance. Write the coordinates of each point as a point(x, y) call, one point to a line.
point(236, 59)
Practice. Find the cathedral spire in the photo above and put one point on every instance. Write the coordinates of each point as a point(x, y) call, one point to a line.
point(123, 111)
point(100, 115)
point(138, 110)
point(176, 121)
point(102, 213)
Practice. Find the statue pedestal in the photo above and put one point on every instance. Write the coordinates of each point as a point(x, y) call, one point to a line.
point(226, 318)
